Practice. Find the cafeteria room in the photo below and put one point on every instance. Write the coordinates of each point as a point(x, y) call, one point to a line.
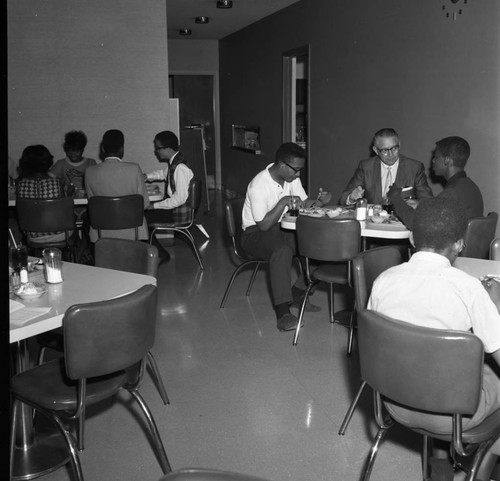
point(239, 394)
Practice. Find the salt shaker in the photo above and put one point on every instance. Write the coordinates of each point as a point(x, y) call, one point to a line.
point(361, 208)
point(52, 261)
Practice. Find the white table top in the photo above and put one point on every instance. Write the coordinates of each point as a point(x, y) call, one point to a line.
point(477, 267)
point(288, 222)
point(81, 284)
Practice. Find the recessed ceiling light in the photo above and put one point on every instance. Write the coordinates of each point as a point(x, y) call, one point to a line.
point(224, 3)
point(202, 19)
point(184, 31)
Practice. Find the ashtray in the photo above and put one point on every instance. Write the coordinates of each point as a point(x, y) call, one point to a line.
point(31, 290)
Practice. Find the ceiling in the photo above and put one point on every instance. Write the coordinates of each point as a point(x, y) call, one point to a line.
point(181, 14)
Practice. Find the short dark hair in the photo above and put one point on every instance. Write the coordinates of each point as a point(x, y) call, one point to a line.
point(385, 132)
point(290, 150)
point(438, 222)
point(112, 141)
point(75, 140)
point(36, 159)
point(455, 148)
point(168, 139)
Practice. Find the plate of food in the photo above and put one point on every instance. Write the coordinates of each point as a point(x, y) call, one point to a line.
point(31, 290)
point(387, 222)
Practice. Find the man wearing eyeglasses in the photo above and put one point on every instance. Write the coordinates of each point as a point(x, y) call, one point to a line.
point(269, 195)
point(375, 175)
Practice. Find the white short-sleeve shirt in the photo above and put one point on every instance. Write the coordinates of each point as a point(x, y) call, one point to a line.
point(263, 193)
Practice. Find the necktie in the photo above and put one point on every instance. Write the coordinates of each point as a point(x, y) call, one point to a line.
point(388, 181)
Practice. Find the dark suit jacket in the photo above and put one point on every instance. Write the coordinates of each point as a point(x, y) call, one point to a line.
point(411, 173)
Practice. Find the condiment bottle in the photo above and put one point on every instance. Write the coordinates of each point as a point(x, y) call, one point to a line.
point(361, 208)
point(52, 265)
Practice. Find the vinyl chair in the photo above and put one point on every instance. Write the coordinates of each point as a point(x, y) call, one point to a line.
point(123, 255)
point(366, 267)
point(232, 212)
point(332, 241)
point(479, 235)
point(198, 474)
point(116, 213)
point(97, 364)
point(193, 203)
point(495, 249)
point(47, 215)
point(397, 360)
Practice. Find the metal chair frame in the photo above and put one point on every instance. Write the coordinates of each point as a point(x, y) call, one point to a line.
point(232, 211)
point(495, 249)
point(330, 241)
point(194, 200)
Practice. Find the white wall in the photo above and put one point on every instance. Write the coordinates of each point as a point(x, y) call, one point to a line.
point(91, 66)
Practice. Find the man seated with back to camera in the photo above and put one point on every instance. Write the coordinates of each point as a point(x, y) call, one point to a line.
point(375, 175)
point(268, 196)
point(177, 176)
point(428, 291)
point(448, 161)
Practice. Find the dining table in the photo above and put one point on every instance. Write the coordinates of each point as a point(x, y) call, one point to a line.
point(392, 229)
point(40, 451)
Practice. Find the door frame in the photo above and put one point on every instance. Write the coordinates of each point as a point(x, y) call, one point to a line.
point(216, 112)
point(289, 96)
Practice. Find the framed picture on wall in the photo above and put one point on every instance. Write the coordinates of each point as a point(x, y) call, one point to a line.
point(246, 138)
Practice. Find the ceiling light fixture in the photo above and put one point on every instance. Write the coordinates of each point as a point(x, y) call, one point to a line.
point(202, 19)
point(224, 3)
point(184, 31)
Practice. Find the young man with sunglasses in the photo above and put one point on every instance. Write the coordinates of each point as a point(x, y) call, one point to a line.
point(375, 175)
point(269, 195)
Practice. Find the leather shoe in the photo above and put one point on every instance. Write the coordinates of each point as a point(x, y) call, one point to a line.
point(309, 307)
point(287, 322)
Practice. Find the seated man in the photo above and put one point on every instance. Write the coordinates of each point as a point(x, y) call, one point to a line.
point(375, 175)
point(268, 195)
point(177, 176)
point(427, 291)
point(449, 159)
point(113, 177)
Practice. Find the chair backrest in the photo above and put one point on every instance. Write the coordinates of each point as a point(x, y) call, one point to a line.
point(368, 265)
point(194, 197)
point(105, 337)
point(232, 212)
point(198, 474)
point(127, 255)
point(421, 368)
point(480, 232)
point(495, 249)
point(115, 213)
point(45, 215)
point(328, 239)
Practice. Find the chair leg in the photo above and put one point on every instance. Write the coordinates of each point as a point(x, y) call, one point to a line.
point(190, 237)
point(479, 456)
point(301, 313)
point(367, 469)
point(332, 314)
point(350, 339)
point(231, 281)
point(252, 279)
point(426, 453)
point(352, 407)
point(164, 462)
point(157, 378)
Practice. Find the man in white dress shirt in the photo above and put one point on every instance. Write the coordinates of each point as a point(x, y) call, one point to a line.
point(428, 291)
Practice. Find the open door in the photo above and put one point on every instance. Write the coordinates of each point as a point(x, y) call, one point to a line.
point(296, 100)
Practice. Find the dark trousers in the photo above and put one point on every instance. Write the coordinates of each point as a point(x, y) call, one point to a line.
point(279, 248)
point(159, 215)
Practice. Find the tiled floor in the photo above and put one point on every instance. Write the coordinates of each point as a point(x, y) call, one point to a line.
point(242, 397)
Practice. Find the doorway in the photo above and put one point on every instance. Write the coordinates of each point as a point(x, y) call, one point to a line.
point(296, 100)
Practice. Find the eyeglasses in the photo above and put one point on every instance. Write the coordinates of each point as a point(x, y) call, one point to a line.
point(390, 150)
point(293, 168)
